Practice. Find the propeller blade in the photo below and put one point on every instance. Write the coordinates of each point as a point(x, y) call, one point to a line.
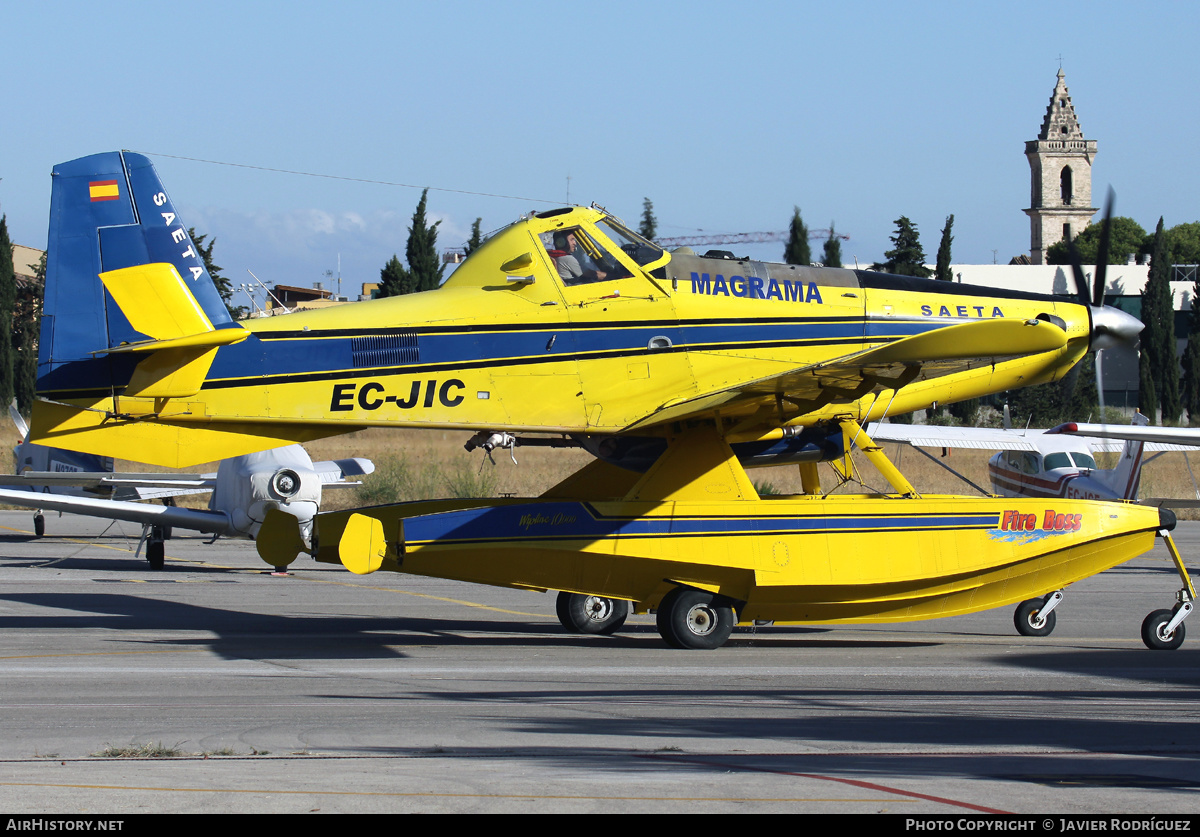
point(1102, 250)
point(1081, 286)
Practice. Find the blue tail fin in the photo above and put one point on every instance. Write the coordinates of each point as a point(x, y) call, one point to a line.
point(107, 211)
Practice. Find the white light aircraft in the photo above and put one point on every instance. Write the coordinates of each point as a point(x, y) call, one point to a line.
point(244, 489)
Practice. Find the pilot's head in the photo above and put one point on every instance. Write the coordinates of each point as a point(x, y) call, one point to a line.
point(565, 241)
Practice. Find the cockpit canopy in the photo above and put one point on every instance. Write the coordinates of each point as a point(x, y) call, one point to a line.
point(581, 245)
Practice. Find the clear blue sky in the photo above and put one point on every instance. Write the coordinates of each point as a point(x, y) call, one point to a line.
point(725, 115)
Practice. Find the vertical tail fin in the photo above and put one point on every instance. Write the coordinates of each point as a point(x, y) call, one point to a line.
point(107, 211)
point(1126, 478)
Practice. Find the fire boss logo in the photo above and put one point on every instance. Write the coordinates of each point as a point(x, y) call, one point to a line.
point(1014, 521)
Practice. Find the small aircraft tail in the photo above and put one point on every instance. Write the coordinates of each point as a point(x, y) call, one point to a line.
point(108, 213)
point(1126, 478)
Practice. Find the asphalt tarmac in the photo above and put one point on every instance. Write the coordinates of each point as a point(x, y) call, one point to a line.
point(324, 691)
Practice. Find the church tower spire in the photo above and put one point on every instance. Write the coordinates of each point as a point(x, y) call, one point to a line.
point(1060, 163)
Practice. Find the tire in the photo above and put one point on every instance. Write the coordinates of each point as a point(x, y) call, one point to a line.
point(156, 554)
point(1152, 627)
point(582, 614)
point(690, 618)
point(1026, 612)
point(39, 525)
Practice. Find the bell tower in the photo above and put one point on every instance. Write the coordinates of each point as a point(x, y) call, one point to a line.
point(1060, 163)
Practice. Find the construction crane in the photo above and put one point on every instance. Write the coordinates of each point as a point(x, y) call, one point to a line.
point(739, 238)
point(454, 255)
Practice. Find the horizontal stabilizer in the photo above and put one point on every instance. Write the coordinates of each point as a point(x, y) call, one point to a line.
point(163, 442)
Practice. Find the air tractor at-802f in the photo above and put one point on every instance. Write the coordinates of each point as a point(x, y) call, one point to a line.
point(677, 372)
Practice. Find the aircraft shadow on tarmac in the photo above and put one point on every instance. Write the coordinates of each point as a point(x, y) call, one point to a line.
point(909, 719)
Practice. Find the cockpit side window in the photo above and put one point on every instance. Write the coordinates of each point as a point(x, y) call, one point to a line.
point(578, 258)
point(1057, 460)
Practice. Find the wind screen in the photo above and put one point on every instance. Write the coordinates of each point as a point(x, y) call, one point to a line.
point(1083, 460)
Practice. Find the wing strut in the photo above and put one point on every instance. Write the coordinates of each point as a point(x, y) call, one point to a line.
point(874, 453)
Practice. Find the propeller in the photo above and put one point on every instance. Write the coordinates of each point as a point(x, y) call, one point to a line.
point(1111, 326)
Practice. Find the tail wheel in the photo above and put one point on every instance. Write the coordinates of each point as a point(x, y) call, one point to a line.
point(1028, 619)
point(1152, 632)
point(591, 614)
point(690, 618)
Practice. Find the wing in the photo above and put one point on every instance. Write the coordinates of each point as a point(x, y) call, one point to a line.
point(1156, 438)
point(933, 354)
point(977, 438)
point(116, 486)
point(146, 513)
point(333, 473)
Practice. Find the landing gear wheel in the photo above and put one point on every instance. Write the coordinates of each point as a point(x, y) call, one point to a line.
point(39, 525)
point(156, 554)
point(582, 614)
point(690, 618)
point(1028, 620)
point(1152, 632)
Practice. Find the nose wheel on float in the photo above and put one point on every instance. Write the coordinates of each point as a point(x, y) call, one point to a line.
point(1162, 630)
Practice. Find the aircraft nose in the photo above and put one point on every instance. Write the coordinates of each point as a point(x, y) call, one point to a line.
point(1113, 327)
point(1166, 518)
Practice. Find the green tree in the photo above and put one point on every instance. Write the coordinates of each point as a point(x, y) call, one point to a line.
point(1126, 238)
point(423, 260)
point(395, 279)
point(833, 249)
point(797, 250)
point(26, 322)
point(906, 258)
point(1158, 336)
point(1147, 398)
point(224, 288)
point(8, 300)
point(943, 257)
point(475, 240)
point(648, 229)
point(1183, 243)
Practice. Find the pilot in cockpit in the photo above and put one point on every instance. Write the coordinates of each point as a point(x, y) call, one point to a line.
point(573, 263)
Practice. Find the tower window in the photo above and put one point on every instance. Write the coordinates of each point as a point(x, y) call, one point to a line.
point(1067, 185)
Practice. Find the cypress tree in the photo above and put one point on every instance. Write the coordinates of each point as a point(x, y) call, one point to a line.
point(224, 288)
point(423, 260)
point(1158, 337)
point(26, 323)
point(1147, 399)
point(8, 300)
point(475, 240)
point(648, 229)
point(833, 249)
point(395, 280)
point(943, 255)
point(797, 250)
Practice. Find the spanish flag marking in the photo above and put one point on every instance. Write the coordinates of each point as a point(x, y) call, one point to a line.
point(103, 190)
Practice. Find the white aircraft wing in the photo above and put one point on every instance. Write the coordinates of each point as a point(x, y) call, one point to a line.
point(117, 486)
point(333, 473)
point(1156, 438)
point(201, 521)
point(936, 436)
